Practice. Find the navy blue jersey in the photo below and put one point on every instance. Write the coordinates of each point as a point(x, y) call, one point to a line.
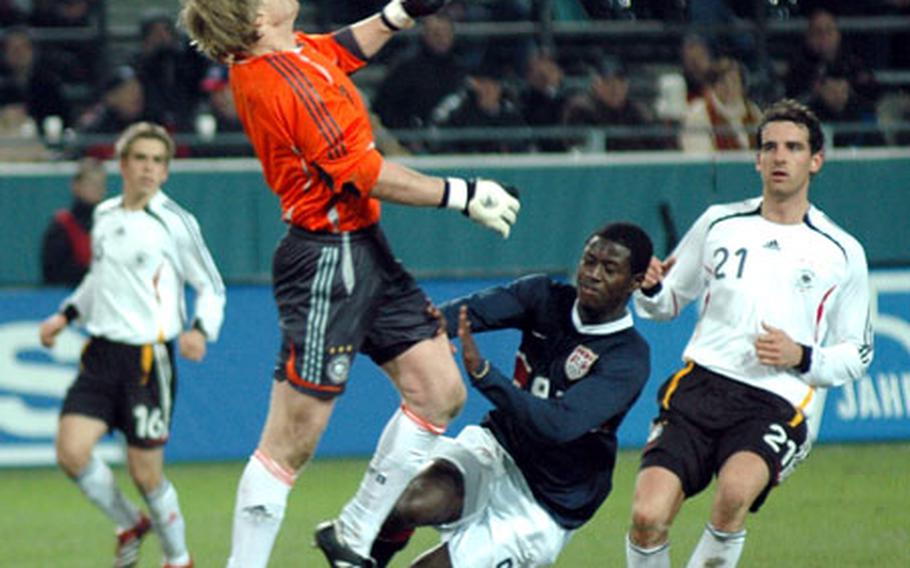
point(572, 386)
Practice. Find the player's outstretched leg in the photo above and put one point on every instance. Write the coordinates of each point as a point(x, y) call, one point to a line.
point(96, 481)
point(402, 450)
point(262, 496)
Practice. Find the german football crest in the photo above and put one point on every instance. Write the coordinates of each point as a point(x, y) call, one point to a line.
point(338, 368)
point(579, 362)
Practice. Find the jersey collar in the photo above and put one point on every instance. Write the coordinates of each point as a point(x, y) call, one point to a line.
point(625, 322)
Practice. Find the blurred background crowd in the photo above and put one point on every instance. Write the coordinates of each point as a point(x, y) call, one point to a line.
point(483, 76)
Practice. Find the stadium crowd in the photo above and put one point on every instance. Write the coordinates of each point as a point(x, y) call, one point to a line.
point(438, 91)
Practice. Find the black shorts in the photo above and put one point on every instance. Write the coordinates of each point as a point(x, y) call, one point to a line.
point(338, 294)
point(705, 418)
point(130, 388)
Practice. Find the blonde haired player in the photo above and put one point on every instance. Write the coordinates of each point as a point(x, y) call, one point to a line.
point(145, 249)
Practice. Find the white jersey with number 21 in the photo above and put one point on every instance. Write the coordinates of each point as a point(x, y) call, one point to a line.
point(808, 279)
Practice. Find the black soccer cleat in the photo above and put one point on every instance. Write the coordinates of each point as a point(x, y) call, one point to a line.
point(337, 552)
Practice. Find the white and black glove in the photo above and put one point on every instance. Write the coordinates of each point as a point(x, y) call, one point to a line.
point(489, 203)
point(402, 14)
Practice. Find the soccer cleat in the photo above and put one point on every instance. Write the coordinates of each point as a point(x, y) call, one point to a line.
point(187, 565)
point(336, 551)
point(128, 543)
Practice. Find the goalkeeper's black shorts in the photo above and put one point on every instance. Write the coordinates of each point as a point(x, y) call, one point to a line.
point(337, 294)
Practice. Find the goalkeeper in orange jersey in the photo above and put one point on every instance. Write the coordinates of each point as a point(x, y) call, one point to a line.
point(337, 284)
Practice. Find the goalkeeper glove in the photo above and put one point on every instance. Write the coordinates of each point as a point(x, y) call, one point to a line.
point(401, 14)
point(489, 203)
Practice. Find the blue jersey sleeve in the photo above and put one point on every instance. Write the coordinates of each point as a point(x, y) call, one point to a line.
point(499, 307)
point(608, 392)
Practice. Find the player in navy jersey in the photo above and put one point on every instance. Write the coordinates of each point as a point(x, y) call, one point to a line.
point(784, 313)
point(511, 491)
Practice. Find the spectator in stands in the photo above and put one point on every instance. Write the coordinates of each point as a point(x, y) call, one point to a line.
point(66, 248)
point(851, 121)
point(696, 58)
point(25, 80)
point(543, 99)
point(607, 103)
point(62, 13)
point(899, 55)
point(19, 141)
point(220, 109)
point(484, 102)
point(823, 45)
point(725, 118)
point(608, 9)
point(75, 60)
point(510, 53)
point(170, 72)
point(718, 16)
point(11, 14)
point(415, 84)
point(122, 103)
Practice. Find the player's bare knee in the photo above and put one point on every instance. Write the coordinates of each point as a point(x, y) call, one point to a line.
point(649, 527)
point(146, 479)
point(71, 458)
point(434, 497)
point(729, 513)
point(408, 510)
point(731, 501)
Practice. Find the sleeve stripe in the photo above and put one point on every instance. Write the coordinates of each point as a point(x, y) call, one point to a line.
point(313, 103)
point(199, 245)
point(345, 38)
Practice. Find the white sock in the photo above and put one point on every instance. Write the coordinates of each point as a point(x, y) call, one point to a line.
point(403, 448)
point(97, 483)
point(262, 496)
point(168, 522)
point(638, 557)
point(717, 548)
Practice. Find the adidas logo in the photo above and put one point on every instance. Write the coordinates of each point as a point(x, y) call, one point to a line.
point(772, 245)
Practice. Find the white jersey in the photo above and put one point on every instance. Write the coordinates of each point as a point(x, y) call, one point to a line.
point(808, 279)
point(141, 261)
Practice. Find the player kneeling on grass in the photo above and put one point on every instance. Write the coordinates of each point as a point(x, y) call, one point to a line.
point(511, 491)
point(145, 249)
point(784, 298)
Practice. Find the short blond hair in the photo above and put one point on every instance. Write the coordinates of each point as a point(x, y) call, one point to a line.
point(223, 30)
point(143, 130)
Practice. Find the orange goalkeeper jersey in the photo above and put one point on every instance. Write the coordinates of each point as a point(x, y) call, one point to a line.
point(311, 132)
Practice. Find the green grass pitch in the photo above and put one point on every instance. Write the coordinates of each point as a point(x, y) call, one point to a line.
point(847, 506)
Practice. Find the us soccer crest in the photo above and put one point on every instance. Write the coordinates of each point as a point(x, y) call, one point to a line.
point(579, 362)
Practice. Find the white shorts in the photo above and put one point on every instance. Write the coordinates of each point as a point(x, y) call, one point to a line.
point(502, 525)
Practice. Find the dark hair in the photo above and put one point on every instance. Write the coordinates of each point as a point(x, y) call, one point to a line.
point(633, 238)
point(789, 110)
point(152, 18)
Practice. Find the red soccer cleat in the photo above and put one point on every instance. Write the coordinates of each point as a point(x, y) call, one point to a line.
point(128, 543)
